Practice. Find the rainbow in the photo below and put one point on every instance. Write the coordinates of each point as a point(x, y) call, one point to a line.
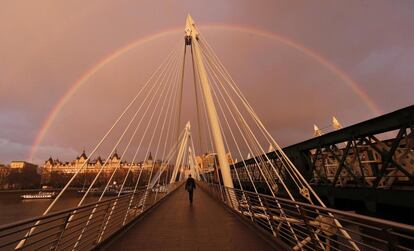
point(119, 52)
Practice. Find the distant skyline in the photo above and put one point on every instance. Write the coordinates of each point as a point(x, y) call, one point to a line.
point(298, 63)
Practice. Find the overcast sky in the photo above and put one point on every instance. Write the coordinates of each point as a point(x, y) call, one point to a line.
point(46, 46)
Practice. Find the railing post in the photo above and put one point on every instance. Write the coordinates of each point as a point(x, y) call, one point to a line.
point(228, 194)
point(249, 209)
point(63, 231)
point(104, 224)
point(266, 211)
point(312, 234)
point(392, 239)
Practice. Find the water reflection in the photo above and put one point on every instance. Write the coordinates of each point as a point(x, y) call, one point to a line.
point(13, 208)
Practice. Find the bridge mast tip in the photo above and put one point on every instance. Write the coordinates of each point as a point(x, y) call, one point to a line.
point(190, 30)
point(190, 18)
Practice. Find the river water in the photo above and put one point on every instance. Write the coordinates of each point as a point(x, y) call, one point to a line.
point(13, 208)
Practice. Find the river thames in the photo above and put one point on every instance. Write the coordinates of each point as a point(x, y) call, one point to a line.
point(13, 208)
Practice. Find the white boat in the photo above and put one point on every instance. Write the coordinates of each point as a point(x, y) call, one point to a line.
point(39, 195)
point(160, 189)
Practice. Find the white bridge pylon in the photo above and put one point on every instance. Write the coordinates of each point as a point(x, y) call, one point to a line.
point(185, 152)
point(192, 38)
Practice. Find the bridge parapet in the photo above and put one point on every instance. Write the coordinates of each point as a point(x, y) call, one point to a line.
point(313, 227)
point(74, 229)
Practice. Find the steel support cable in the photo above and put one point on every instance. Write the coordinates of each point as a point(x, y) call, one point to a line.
point(192, 160)
point(218, 79)
point(175, 122)
point(170, 114)
point(101, 169)
point(195, 159)
point(236, 144)
point(275, 171)
point(185, 155)
point(228, 78)
point(255, 116)
point(222, 129)
point(148, 125)
point(181, 156)
point(264, 176)
point(295, 236)
point(181, 92)
point(113, 206)
point(178, 159)
point(196, 77)
point(284, 157)
point(211, 61)
point(164, 163)
point(51, 205)
point(151, 140)
point(165, 119)
point(227, 145)
point(177, 106)
point(129, 170)
point(197, 82)
point(170, 155)
point(173, 177)
point(128, 147)
point(139, 148)
point(136, 184)
point(260, 201)
point(137, 151)
point(247, 129)
point(243, 122)
point(235, 141)
point(293, 232)
point(106, 161)
point(238, 92)
point(260, 155)
point(121, 137)
point(213, 150)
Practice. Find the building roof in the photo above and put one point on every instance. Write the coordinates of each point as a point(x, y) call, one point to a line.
point(99, 160)
point(115, 156)
point(83, 155)
point(50, 160)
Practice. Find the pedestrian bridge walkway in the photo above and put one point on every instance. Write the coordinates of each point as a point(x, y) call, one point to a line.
point(175, 225)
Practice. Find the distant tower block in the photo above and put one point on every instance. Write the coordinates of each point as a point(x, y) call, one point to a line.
point(316, 131)
point(335, 123)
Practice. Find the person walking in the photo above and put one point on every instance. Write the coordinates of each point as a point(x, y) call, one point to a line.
point(190, 186)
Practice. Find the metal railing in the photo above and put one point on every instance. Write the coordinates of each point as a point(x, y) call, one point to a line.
point(303, 226)
point(79, 228)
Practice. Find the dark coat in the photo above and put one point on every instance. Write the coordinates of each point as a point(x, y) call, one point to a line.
point(190, 184)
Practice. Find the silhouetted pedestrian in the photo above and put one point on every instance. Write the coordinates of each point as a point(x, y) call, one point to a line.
point(190, 186)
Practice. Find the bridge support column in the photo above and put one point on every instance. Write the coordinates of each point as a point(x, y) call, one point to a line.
point(191, 38)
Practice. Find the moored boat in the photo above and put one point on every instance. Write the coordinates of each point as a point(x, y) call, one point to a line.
point(39, 195)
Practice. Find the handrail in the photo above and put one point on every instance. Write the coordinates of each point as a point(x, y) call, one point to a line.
point(59, 212)
point(315, 227)
point(65, 226)
point(336, 211)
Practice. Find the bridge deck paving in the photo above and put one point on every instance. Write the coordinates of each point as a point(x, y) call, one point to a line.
point(175, 225)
